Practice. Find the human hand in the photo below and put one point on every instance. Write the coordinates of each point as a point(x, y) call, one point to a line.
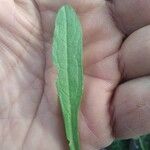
point(116, 64)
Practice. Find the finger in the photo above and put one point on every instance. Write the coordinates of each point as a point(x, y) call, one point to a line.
point(101, 37)
point(105, 70)
point(49, 8)
point(131, 108)
point(98, 27)
point(135, 54)
point(94, 120)
point(131, 15)
point(80, 5)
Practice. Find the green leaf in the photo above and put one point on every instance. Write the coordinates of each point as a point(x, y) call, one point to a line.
point(67, 57)
point(119, 145)
point(143, 142)
point(138, 143)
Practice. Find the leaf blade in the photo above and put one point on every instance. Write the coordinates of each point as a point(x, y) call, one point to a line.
point(67, 57)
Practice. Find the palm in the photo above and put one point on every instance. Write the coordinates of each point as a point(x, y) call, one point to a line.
point(29, 110)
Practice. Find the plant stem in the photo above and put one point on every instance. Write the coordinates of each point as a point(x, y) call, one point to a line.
point(141, 143)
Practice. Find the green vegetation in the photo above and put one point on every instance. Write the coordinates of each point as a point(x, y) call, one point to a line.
point(141, 143)
point(67, 57)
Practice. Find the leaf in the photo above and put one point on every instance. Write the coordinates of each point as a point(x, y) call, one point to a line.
point(143, 142)
point(67, 57)
point(139, 143)
point(119, 145)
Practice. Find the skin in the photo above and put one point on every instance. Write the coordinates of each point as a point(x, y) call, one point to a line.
point(116, 101)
